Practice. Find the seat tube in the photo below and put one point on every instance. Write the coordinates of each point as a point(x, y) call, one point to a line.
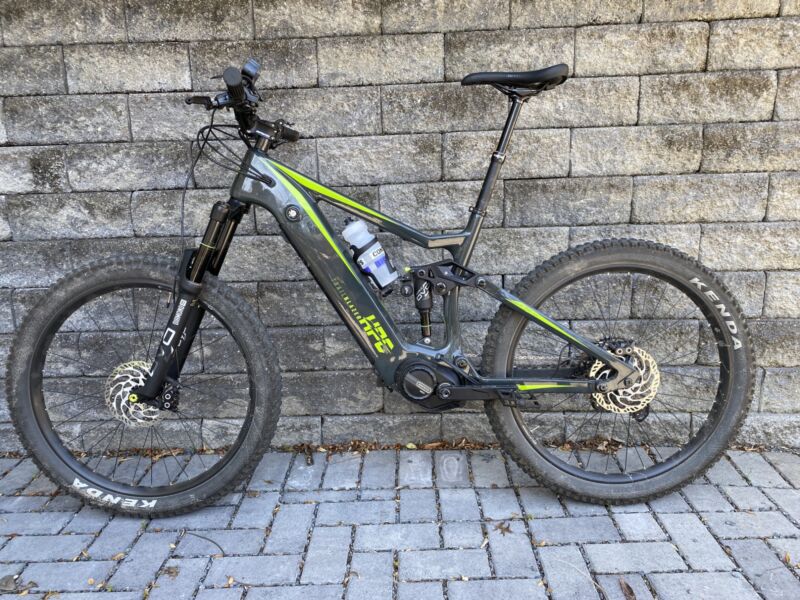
point(478, 212)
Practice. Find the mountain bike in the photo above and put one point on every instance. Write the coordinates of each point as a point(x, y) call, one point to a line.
point(614, 372)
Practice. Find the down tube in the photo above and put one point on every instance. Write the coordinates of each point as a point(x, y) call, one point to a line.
point(329, 263)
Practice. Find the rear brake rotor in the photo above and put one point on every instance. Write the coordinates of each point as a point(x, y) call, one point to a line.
point(636, 397)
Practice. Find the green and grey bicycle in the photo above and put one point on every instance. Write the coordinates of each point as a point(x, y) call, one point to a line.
point(615, 371)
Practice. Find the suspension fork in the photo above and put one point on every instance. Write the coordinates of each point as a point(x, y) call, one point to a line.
point(187, 314)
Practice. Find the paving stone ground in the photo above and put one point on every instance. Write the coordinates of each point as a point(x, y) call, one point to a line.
point(413, 524)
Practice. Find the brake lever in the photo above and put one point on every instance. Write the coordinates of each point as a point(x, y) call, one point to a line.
point(207, 102)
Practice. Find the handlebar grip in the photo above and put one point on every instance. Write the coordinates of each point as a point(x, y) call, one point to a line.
point(233, 80)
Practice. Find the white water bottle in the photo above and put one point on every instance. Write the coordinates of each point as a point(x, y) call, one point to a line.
point(369, 254)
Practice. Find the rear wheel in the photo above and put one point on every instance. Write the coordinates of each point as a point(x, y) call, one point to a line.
point(674, 322)
point(91, 340)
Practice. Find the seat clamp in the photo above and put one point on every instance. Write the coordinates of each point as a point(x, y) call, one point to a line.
point(474, 209)
point(499, 156)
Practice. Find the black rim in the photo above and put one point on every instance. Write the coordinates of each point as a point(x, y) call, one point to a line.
point(153, 468)
point(617, 462)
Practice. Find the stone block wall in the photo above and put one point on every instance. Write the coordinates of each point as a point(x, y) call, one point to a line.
point(680, 124)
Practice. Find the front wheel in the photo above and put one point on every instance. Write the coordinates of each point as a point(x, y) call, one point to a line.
point(91, 340)
point(674, 322)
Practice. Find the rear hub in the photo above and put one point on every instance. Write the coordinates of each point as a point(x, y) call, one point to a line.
point(636, 397)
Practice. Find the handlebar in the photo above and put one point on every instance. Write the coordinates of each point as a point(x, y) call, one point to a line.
point(243, 98)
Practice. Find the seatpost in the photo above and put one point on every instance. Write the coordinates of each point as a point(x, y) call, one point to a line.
point(478, 212)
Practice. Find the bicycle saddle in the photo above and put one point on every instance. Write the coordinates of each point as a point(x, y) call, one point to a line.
point(543, 79)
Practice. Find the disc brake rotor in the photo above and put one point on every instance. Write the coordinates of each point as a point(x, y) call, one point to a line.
point(633, 398)
point(119, 400)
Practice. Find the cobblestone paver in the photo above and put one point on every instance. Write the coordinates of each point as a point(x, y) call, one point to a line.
point(413, 525)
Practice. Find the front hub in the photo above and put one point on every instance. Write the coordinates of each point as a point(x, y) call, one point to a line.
point(124, 404)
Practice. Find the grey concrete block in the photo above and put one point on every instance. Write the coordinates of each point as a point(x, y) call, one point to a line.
point(397, 536)
point(566, 573)
point(64, 22)
point(384, 159)
point(64, 216)
point(750, 246)
point(381, 59)
point(754, 44)
point(44, 548)
point(671, 586)
point(664, 10)
point(636, 150)
point(140, 565)
point(778, 301)
point(573, 529)
point(66, 576)
point(254, 570)
point(764, 569)
point(144, 165)
point(38, 70)
point(459, 505)
point(568, 201)
point(326, 560)
point(788, 100)
point(783, 205)
point(256, 509)
point(708, 97)
point(639, 527)
point(343, 471)
point(240, 541)
point(127, 68)
point(516, 589)
point(651, 557)
point(788, 464)
point(379, 469)
point(640, 49)
point(467, 154)
point(390, 429)
point(750, 147)
point(443, 564)
point(32, 169)
point(64, 119)
point(741, 525)
point(684, 198)
point(179, 579)
point(499, 504)
point(312, 19)
point(696, 544)
point(518, 250)
point(462, 534)
point(289, 532)
point(418, 505)
point(512, 553)
point(440, 15)
point(346, 392)
point(204, 20)
point(356, 513)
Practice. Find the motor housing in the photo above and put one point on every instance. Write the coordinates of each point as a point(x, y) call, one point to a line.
point(417, 380)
